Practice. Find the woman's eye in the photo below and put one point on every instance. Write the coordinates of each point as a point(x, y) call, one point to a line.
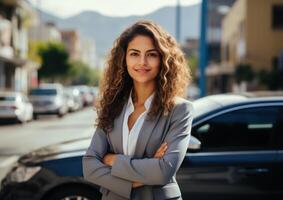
point(134, 54)
point(154, 55)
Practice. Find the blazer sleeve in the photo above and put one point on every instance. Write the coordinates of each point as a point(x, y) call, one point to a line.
point(154, 171)
point(98, 173)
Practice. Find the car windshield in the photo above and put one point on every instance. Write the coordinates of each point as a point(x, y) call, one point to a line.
point(7, 98)
point(204, 105)
point(41, 91)
point(213, 102)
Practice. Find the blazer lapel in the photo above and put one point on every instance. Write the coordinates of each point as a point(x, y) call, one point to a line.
point(116, 135)
point(145, 134)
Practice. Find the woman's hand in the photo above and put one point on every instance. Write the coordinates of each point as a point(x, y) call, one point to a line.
point(161, 151)
point(109, 159)
point(136, 184)
point(158, 154)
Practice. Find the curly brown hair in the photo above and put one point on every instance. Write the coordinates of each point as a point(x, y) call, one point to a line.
point(115, 87)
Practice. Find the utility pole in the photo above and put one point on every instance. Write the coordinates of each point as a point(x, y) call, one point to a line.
point(178, 21)
point(203, 49)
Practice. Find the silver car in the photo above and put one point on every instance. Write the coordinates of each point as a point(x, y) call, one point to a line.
point(15, 105)
point(48, 99)
point(73, 99)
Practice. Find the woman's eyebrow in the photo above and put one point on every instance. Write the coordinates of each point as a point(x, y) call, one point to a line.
point(150, 50)
point(134, 50)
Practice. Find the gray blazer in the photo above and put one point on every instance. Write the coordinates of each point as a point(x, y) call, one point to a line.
point(158, 175)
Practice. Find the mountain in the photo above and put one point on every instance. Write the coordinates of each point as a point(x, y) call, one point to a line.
point(104, 29)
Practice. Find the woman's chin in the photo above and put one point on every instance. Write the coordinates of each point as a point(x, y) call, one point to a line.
point(144, 81)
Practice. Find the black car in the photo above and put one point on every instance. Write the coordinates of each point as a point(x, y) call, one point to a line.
point(235, 152)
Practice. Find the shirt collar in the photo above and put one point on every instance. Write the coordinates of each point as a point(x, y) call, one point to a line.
point(147, 103)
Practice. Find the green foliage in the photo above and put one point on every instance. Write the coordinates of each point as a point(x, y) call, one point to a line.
point(271, 79)
point(81, 74)
point(263, 77)
point(244, 72)
point(193, 66)
point(33, 49)
point(54, 59)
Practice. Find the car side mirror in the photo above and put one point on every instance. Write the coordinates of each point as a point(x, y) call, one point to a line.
point(194, 144)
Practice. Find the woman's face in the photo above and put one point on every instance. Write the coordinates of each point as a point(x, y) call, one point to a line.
point(143, 60)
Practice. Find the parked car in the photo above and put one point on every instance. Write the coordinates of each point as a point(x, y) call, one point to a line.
point(48, 99)
point(16, 106)
point(73, 98)
point(69, 98)
point(235, 152)
point(94, 92)
point(86, 95)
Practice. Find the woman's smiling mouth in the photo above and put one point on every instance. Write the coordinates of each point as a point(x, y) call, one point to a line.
point(142, 70)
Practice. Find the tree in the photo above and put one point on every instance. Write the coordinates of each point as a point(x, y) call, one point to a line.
point(244, 72)
point(33, 50)
point(271, 79)
point(81, 73)
point(54, 59)
point(193, 66)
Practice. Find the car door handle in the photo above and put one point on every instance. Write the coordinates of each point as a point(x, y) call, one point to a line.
point(253, 171)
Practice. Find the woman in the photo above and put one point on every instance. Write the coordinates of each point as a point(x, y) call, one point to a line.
point(143, 126)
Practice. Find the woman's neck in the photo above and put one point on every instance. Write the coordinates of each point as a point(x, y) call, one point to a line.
point(141, 93)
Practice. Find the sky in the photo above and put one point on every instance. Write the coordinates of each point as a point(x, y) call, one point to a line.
point(67, 8)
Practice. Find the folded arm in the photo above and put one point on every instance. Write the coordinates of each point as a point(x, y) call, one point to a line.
point(110, 158)
point(159, 171)
point(97, 172)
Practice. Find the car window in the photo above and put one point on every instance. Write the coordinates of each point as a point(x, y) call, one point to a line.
point(25, 99)
point(279, 132)
point(7, 98)
point(244, 129)
point(40, 91)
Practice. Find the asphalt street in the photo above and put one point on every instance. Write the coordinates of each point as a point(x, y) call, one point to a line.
point(18, 139)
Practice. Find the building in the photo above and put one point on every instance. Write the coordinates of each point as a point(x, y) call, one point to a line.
point(71, 40)
point(216, 11)
point(45, 32)
point(191, 47)
point(252, 33)
point(88, 52)
point(16, 72)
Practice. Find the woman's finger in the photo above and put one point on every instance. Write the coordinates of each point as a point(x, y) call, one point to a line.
point(162, 149)
point(164, 145)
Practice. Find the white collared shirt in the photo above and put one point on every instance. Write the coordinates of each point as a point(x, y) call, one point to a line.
point(130, 138)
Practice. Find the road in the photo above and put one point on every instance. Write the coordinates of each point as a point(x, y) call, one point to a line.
point(17, 139)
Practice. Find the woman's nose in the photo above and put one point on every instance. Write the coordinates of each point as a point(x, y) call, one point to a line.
point(143, 60)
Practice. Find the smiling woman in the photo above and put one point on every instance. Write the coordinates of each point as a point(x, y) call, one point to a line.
point(142, 60)
point(143, 125)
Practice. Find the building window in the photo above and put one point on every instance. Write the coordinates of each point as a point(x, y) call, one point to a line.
point(226, 52)
point(277, 17)
point(275, 63)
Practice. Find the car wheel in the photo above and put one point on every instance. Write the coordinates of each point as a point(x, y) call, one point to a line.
point(60, 115)
point(73, 192)
point(20, 121)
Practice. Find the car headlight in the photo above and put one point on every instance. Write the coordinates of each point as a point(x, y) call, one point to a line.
point(22, 174)
point(58, 102)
